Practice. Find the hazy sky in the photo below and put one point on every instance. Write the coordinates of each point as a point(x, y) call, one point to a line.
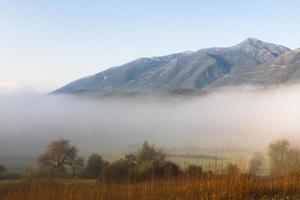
point(45, 44)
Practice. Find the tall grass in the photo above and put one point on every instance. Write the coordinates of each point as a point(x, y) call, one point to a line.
point(182, 188)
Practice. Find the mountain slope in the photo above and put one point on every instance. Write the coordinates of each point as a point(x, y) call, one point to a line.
point(186, 70)
point(282, 69)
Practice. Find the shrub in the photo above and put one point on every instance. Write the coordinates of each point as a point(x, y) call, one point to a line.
point(194, 171)
point(117, 171)
point(232, 170)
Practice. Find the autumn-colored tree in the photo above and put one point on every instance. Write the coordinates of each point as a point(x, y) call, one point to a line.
point(60, 157)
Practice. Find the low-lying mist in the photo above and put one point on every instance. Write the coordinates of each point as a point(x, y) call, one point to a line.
point(241, 118)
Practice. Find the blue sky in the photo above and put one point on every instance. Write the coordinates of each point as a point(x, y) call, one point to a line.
point(45, 44)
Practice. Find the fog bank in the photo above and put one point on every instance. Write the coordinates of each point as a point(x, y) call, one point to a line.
point(243, 118)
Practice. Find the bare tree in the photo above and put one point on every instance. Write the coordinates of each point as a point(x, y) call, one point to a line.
point(59, 157)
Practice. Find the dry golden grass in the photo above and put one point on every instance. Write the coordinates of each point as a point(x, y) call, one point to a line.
point(215, 188)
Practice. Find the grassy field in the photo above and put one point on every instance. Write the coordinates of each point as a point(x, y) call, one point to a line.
point(213, 188)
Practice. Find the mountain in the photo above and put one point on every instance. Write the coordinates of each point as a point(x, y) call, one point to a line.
point(251, 61)
point(282, 69)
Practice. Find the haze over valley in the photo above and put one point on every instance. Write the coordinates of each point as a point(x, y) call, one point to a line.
point(239, 97)
point(156, 100)
point(241, 118)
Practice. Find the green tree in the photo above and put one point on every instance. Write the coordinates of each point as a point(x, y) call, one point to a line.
point(149, 161)
point(132, 169)
point(149, 154)
point(94, 166)
point(152, 163)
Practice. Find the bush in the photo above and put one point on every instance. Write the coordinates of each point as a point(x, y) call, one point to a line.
point(194, 171)
point(162, 169)
point(232, 170)
point(171, 169)
point(117, 171)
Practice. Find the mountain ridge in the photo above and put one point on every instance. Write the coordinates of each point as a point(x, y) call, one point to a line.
point(198, 70)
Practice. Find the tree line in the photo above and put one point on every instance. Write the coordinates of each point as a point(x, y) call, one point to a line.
point(61, 160)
